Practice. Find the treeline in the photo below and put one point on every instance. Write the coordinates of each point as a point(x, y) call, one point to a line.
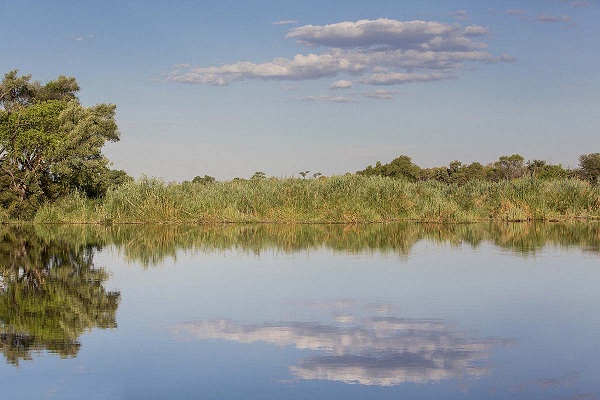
point(505, 168)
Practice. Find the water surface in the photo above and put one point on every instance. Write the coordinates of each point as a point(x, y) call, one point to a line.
point(504, 311)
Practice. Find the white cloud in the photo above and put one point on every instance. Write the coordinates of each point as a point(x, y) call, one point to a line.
point(384, 51)
point(343, 318)
point(461, 15)
point(581, 3)
point(381, 94)
point(506, 58)
point(330, 99)
point(400, 78)
point(546, 18)
point(565, 18)
point(552, 18)
point(285, 22)
point(82, 38)
point(341, 84)
point(381, 32)
point(301, 67)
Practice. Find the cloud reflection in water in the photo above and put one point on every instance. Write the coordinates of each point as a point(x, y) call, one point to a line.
point(383, 351)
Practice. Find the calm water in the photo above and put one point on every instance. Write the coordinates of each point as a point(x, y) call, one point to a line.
point(309, 312)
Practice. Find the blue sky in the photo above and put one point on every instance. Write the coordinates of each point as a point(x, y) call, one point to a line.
point(227, 88)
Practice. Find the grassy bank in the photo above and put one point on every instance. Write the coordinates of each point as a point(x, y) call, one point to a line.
point(343, 199)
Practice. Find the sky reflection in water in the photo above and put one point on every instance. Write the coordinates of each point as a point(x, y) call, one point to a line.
point(383, 351)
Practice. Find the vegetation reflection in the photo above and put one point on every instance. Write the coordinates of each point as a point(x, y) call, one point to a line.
point(151, 244)
point(50, 293)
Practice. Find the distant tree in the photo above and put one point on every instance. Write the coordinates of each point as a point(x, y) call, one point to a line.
point(534, 167)
point(590, 166)
point(553, 172)
point(456, 173)
point(258, 175)
point(401, 167)
point(509, 167)
point(117, 177)
point(439, 174)
point(205, 180)
point(475, 171)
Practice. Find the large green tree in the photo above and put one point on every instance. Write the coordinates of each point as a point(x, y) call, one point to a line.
point(50, 144)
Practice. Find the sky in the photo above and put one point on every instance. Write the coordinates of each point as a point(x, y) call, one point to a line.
point(227, 88)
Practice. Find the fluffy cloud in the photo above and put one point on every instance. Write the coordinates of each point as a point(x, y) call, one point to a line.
point(382, 32)
point(367, 48)
point(301, 67)
point(382, 351)
point(342, 84)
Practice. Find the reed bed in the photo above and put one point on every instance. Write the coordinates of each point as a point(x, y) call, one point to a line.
point(338, 199)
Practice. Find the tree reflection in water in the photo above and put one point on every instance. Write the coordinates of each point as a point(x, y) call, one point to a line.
point(50, 293)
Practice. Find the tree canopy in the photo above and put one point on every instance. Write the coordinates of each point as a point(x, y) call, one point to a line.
point(50, 144)
point(505, 168)
point(590, 166)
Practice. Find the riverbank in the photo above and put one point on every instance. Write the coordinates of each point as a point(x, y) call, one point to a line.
point(339, 199)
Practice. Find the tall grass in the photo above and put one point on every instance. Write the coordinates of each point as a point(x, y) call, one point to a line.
point(338, 199)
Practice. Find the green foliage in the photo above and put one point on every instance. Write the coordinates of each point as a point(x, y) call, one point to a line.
point(590, 166)
point(258, 175)
point(50, 144)
point(508, 167)
point(458, 173)
point(542, 170)
point(401, 167)
point(342, 199)
point(205, 180)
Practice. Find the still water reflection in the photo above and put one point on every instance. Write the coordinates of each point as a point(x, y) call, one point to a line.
point(265, 311)
point(381, 351)
point(50, 293)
